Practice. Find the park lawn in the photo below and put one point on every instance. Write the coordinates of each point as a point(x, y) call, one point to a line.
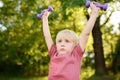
point(86, 74)
point(22, 78)
point(46, 78)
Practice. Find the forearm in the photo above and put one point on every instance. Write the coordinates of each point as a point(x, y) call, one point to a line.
point(85, 33)
point(46, 32)
point(90, 24)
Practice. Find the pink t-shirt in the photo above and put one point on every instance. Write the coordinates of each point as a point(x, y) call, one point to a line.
point(65, 66)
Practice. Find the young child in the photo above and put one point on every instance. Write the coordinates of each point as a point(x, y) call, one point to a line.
point(66, 55)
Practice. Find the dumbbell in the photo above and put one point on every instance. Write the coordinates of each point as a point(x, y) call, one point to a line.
point(41, 14)
point(102, 6)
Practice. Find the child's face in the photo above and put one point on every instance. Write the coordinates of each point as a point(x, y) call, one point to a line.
point(64, 45)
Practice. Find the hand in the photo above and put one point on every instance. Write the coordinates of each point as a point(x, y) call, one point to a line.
point(95, 10)
point(45, 14)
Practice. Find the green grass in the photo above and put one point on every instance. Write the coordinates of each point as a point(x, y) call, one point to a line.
point(46, 78)
point(86, 74)
point(89, 74)
point(22, 78)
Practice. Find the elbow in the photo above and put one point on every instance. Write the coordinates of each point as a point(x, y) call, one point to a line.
point(86, 34)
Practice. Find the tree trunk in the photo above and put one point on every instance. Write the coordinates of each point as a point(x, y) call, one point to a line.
point(98, 49)
point(116, 58)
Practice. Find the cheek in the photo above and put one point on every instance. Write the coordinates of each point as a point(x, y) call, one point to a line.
point(58, 46)
point(71, 46)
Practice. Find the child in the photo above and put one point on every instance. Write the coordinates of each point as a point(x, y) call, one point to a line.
point(66, 55)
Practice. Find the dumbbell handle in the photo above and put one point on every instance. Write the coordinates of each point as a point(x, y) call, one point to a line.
point(102, 6)
point(41, 14)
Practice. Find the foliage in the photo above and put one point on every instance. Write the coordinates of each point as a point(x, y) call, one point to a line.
point(23, 49)
point(22, 46)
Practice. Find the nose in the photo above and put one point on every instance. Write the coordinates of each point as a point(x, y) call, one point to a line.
point(62, 44)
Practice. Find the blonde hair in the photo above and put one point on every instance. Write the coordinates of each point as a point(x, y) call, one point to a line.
point(67, 34)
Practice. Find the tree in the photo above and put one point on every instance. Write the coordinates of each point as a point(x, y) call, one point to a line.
point(100, 67)
point(22, 44)
point(98, 49)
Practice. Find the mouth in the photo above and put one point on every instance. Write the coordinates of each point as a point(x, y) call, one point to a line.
point(62, 49)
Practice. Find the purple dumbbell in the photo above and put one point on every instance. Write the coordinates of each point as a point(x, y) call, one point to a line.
point(104, 7)
point(41, 14)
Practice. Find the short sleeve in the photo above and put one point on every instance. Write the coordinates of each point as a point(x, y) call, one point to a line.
point(53, 50)
point(78, 50)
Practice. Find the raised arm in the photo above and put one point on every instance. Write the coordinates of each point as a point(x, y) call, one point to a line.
point(46, 30)
point(88, 28)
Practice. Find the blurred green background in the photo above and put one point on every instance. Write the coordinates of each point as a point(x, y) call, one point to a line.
point(23, 52)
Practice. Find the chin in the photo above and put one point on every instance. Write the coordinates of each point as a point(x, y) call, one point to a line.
point(62, 53)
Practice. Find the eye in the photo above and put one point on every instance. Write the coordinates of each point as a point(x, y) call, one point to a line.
point(59, 41)
point(67, 41)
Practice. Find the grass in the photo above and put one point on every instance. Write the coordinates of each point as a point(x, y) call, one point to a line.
point(22, 78)
point(89, 74)
point(86, 74)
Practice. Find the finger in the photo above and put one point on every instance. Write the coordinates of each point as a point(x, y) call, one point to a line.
point(95, 2)
point(44, 11)
point(92, 4)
